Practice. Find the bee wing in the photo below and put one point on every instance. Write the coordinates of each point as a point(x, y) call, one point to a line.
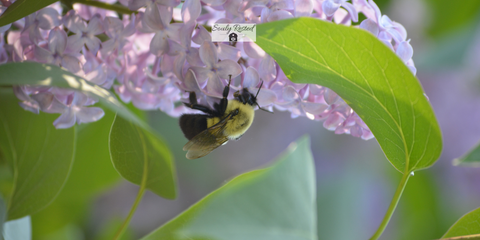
point(208, 140)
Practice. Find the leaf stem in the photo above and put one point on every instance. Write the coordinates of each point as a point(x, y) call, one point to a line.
point(143, 186)
point(393, 205)
point(114, 7)
point(465, 237)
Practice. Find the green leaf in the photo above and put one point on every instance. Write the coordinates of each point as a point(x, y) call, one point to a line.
point(467, 227)
point(368, 76)
point(471, 159)
point(19, 229)
point(51, 75)
point(41, 156)
point(110, 228)
point(92, 172)
point(22, 8)
point(131, 147)
point(277, 202)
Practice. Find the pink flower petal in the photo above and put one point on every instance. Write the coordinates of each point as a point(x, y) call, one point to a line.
point(367, 134)
point(185, 35)
point(333, 121)
point(95, 25)
point(412, 67)
point(66, 120)
point(228, 67)
point(279, 15)
point(215, 86)
point(303, 8)
point(253, 50)
point(136, 4)
point(375, 8)
point(290, 94)
point(43, 55)
point(178, 65)
point(251, 78)
point(202, 74)
point(152, 18)
point(113, 26)
point(267, 70)
point(370, 25)
point(130, 28)
point(330, 96)
point(89, 114)
point(329, 7)
point(44, 100)
point(405, 51)
point(265, 96)
point(166, 14)
point(174, 48)
point(228, 52)
point(71, 63)
point(93, 44)
point(159, 44)
point(48, 18)
point(168, 3)
point(191, 82)
point(314, 108)
point(201, 35)
point(351, 10)
point(214, 2)
point(191, 10)
point(208, 54)
point(193, 57)
point(75, 42)
point(57, 41)
point(400, 29)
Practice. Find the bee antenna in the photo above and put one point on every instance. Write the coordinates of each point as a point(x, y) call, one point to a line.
point(263, 109)
point(229, 79)
point(261, 84)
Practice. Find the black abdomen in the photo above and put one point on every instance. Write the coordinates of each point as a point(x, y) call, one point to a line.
point(193, 124)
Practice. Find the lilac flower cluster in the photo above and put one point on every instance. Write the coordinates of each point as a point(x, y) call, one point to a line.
point(155, 57)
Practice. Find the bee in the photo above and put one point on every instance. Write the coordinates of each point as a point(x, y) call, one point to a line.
point(228, 120)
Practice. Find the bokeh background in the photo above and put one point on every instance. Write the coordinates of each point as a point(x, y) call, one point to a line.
point(355, 182)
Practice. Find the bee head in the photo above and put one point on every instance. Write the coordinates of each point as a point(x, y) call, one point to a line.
point(246, 97)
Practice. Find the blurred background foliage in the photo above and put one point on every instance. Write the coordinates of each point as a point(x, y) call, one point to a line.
point(354, 182)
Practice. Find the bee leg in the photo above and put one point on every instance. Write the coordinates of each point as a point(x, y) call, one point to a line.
point(240, 97)
point(194, 104)
point(224, 101)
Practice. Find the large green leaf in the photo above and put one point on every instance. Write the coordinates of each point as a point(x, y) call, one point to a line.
point(368, 76)
point(41, 156)
point(277, 202)
point(91, 173)
point(467, 227)
point(22, 8)
point(34, 73)
point(471, 159)
point(131, 147)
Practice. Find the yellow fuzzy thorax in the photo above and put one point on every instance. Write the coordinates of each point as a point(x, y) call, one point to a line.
point(240, 123)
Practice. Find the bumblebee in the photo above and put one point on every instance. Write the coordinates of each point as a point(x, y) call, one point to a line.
point(228, 120)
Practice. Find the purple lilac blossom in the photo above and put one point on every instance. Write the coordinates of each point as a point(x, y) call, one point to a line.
point(155, 57)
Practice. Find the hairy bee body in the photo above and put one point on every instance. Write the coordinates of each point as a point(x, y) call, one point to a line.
point(228, 120)
point(193, 124)
point(239, 124)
